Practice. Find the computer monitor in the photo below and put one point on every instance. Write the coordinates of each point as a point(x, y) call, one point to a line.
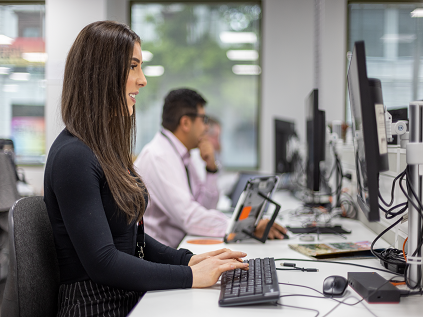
point(284, 132)
point(369, 132)
point(316, 136)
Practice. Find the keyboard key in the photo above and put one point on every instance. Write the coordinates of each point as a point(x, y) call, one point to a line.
point(257, 285)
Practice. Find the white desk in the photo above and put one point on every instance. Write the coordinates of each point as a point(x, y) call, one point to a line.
point(204, 302)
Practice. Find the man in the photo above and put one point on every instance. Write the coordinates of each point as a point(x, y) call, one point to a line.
point(180, 203)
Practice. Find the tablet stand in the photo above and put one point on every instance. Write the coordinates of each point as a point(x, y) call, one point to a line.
point(269, 224)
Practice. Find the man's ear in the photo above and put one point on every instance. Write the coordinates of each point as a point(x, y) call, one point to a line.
point(185, 124)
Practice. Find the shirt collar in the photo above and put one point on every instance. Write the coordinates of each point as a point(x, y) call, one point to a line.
point(180, 147)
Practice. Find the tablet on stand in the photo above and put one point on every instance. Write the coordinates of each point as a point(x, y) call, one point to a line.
point(252, 205)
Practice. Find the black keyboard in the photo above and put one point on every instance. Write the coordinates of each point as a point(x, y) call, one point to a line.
point(257, 285)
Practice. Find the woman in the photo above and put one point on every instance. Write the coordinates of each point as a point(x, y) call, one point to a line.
point(95, 199)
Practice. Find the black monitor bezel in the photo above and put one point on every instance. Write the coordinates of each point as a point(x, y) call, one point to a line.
point(316, 139)
point(374, 161)
point(284, 130)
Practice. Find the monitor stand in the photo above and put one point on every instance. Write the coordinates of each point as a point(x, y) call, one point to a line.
point(415, 164)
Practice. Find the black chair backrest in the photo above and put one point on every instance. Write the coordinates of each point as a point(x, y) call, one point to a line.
point(8, 188)
point(32, 284)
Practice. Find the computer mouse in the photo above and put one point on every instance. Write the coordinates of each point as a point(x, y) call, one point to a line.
point(334, 286)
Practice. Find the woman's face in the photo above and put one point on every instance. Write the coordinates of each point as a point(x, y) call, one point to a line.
point(136, 78)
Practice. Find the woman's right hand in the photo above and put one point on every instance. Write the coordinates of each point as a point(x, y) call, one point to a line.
point(207, 272)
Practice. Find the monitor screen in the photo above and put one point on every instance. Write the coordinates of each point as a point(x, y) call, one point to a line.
point(316, 135)
point(284, 131)
point(369, 132)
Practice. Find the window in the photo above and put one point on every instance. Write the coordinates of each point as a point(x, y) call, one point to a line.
point(212, 48)
point(393, 36)
point(22, 83)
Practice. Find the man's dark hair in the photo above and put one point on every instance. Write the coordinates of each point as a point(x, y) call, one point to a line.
point(177, 103)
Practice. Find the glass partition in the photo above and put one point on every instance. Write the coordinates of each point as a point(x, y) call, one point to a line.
point(22, 80)
point(212, 48)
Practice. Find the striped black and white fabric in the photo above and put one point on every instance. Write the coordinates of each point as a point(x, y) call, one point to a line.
point(86, 298)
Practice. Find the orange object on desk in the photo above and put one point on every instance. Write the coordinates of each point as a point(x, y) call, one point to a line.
point(205, 241)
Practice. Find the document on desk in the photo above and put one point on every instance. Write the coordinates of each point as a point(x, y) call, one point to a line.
point(334, 250)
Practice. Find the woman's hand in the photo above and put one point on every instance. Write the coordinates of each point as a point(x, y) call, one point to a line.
point(206, 272)
point(197, 258)
point(276, 231)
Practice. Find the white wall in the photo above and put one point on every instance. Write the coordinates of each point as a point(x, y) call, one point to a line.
point(287, 68)
point(333, 59)
point(288, 65)
point(64, 20)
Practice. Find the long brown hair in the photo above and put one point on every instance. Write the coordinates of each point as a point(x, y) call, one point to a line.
point(94, 107)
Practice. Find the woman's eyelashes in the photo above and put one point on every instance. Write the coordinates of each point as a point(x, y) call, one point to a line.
point(133, 66)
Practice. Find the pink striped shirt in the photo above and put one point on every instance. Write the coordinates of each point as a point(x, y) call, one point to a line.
point(173, 211)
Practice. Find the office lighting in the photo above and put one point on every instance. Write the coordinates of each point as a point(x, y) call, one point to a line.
point(238, 37)
point(10, 88)
point(153, 71)
point(4, 70)
point(246, 70)
point(417, 13)
point(35, 57)
point(147, 56)
point(20, 76)
point(398, 38)
point(5, 40)
point(242, 55)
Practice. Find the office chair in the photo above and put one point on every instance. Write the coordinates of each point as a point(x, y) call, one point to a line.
point(32, 284)
point(8, 195)
point(8, 188)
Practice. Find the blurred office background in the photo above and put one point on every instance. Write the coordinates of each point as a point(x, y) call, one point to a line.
point(252, 60)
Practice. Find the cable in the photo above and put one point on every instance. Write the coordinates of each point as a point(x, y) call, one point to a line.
point(343, 263)
point(393, 254)
point(390, 215)
point(408, 293)
point(303, 269)
point(348, 202)
point(336, 306)
point(324, 297)
point(294, 267)
point(392, 190)
point(315, 310)
point(403, 249)
point(378, 237)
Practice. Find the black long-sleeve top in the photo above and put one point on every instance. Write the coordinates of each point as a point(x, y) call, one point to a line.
point(92, 236)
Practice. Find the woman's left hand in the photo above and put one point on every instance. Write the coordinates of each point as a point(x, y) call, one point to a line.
point(197, 258)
